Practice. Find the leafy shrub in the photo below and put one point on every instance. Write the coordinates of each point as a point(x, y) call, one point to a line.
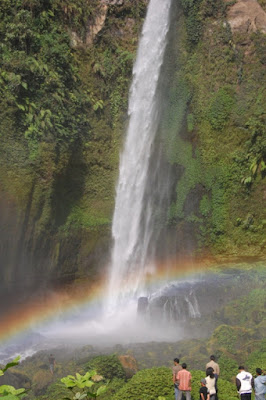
point(193, 20)
point(147, 384)
point(228, 368)
point(8, 392)
point(257, 359)
point(108, 366)
point(220, 109)
point(113, 387)
point(39, 74)
point(81, 386)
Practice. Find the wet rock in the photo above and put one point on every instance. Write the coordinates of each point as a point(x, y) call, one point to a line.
point(143, 304)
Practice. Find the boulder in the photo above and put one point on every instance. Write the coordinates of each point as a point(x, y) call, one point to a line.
point(247, 16)
point(129, 364)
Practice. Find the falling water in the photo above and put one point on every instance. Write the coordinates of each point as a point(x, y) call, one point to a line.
point(133, 221)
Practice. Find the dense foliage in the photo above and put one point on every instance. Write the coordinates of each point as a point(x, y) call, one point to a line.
point(8, 392)
point(215, 132)
point(39, 77)
point(63, 98)
point(108, 366)
point(147, 385)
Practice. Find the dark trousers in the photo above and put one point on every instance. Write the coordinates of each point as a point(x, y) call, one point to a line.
point(216, 381)
point(245, 396)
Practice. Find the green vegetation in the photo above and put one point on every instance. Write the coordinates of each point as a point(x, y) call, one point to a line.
point(39, 79)
point(147, 385)
point(62, 103)
point(8, 392)
point(108, 366)
point(80, 384)
point(214, 131)
point(248, 310)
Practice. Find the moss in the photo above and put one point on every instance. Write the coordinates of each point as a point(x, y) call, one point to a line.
point(232, 341)
point(220, 108)
point(248, 310)
point(222, 92)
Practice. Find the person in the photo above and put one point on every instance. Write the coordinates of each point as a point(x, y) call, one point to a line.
point(216, 370)
point(51, 363)
point(260, 385)
point(184, 383)
point(176, 368)
point(210, 382)
point(204, 394)
point(214, 365)
point(244, 383)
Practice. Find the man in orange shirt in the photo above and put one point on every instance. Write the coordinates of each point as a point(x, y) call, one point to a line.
point(184, 381)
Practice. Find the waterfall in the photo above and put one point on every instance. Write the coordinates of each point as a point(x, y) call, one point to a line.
point(133, 220)
point(193, 306)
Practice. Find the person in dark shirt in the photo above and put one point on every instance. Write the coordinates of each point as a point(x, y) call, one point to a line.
point(204, 395)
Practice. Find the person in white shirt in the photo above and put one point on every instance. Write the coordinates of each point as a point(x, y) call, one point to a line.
point(216, 370)
point(210, 382)
point(244, 383)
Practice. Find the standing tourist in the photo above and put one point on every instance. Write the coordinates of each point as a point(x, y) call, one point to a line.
point(216, 370)
point(176, 368)
point(244, 383)
point(51, 363)
point(184, 383)
point(204, 394)
point(210, 383)
point(260, 385)
point(214, 365)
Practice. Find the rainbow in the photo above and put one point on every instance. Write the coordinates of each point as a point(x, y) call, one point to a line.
point(25, 316)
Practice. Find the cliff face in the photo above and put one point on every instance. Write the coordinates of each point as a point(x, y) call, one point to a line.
point(218, 95)
point(65, 77)
point(64, 85)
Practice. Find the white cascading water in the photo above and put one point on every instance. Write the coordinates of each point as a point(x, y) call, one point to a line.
point(132, 222)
